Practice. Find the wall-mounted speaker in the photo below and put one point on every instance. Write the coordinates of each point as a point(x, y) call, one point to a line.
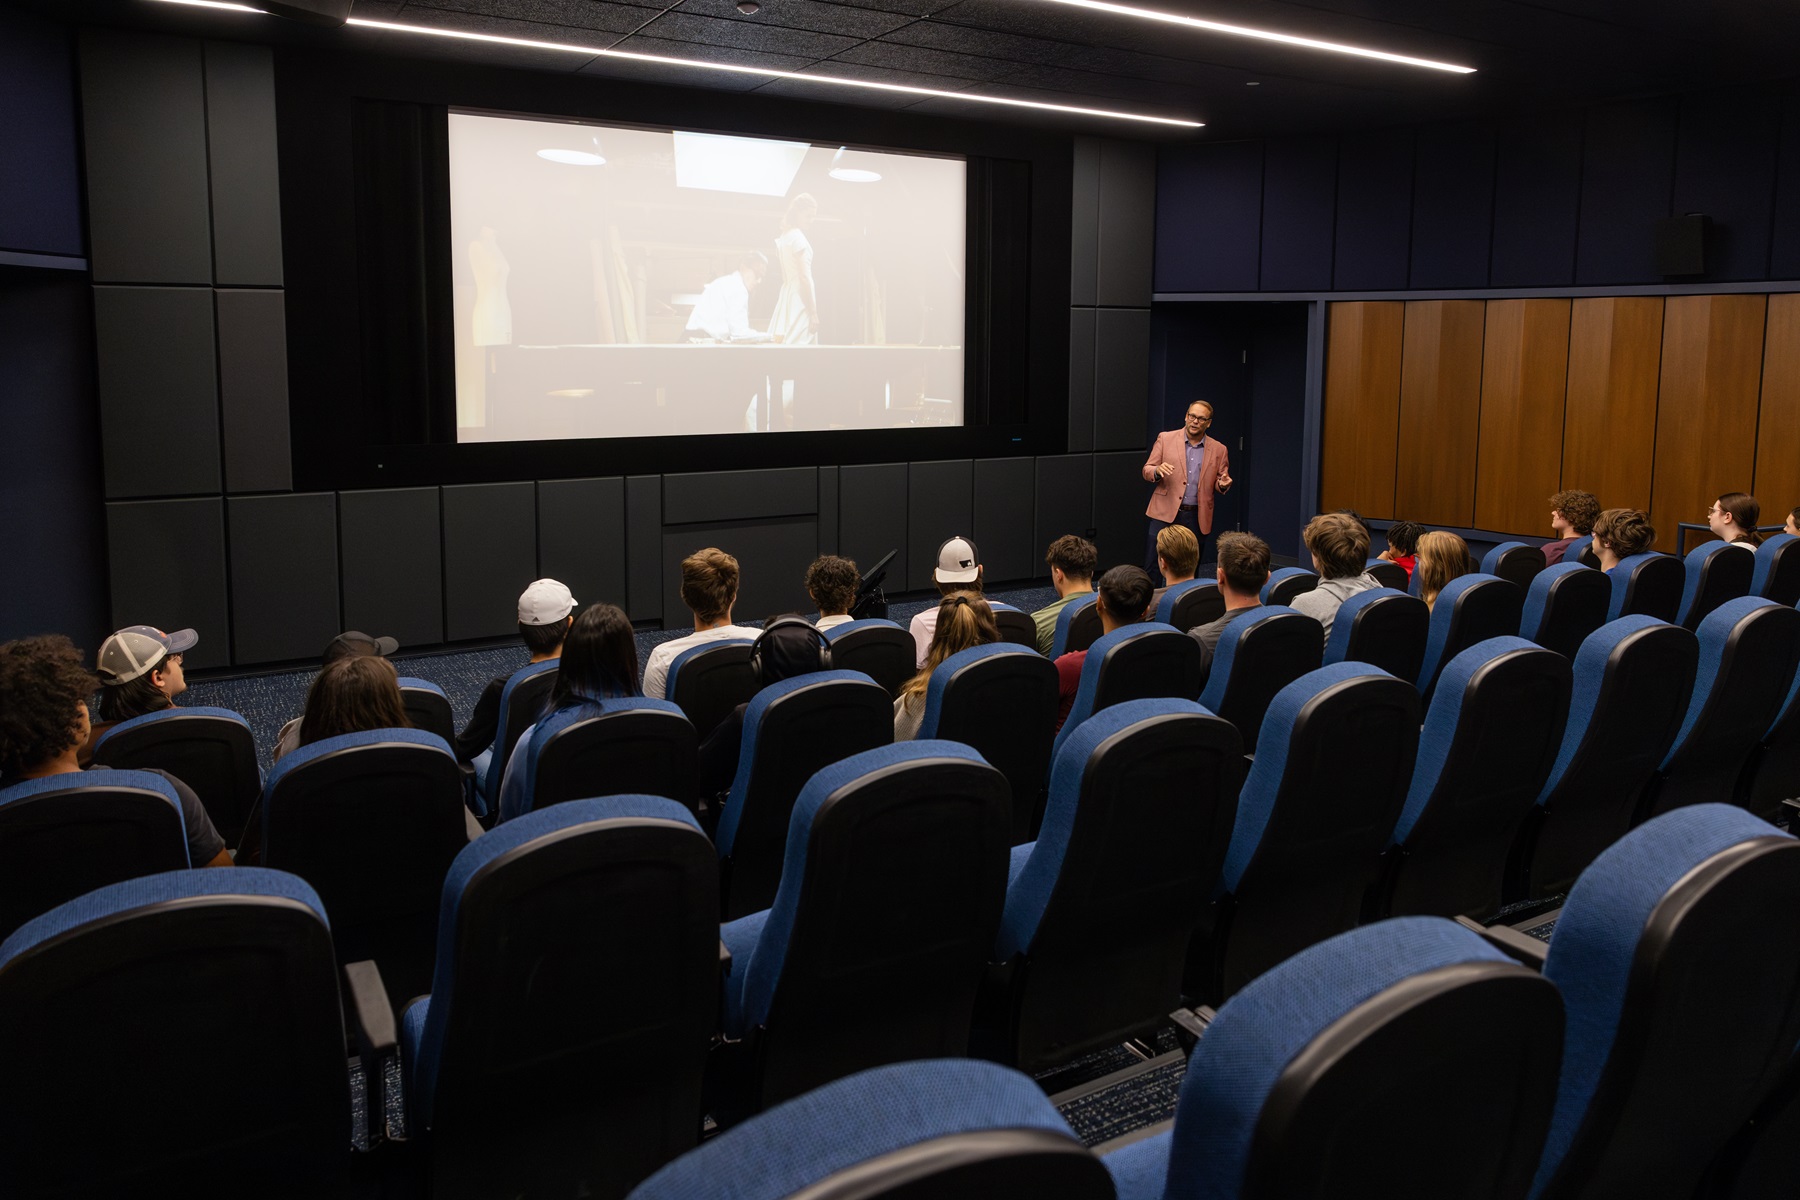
point(1681, 245)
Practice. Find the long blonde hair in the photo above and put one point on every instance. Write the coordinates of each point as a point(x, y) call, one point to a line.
point(964, 620)
point(1442, 557)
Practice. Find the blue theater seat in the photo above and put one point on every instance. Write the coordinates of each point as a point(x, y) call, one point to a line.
point(1516, 562)
point(1285, 583)
point(1405, 1059)
point(1564, 604)
point(708, 682)
point(1016, 627)
point(428, 708)
point(1648, 585)
point(1000, 701)
point(890, 899)
point(1383, 627)
point(1134, 662)
point(1470, 609)
point(614, 747)
point(1100, 908)
point(1257, 656)
point(561, 1049)
point(1777, 573)
point(1190, 604)
point(1389, 573)
point(1716, 572)
point(209, 749)
point(882, 650)
point(1773, 773)
point(1061, 641)
point(522, 701)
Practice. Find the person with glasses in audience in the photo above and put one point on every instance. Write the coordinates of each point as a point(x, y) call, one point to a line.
point(1733, 517)
point(140, 673)
point(1620, 533)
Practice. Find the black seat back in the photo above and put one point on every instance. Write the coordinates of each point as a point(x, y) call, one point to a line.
point(881, 650)
point(1391, 574)
point(1716, 572)
point(1016, 627)
point(429, 709)
point(1270, 651)
point(209, 749)
point(1149, 664)
point(1479, 607)
point(1002, 704)
point(1777, 575)
point(633, 747)
point(1196, 606)
point(1519, 565)
point(1565, 604)
point(1388, 631)
point(1773, 772)
point(1653, 587)
point(1084, 628)
point(711, 682)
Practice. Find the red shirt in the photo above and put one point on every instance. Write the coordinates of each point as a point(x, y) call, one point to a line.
point(1068, 682)
point(1407, 561)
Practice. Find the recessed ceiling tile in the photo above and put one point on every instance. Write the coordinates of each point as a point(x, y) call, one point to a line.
point(923, 61)
point(746, 35)
point(735, 56)
point(801, 89)
point(637, 71)
point(559, 18)
point(805, 14)
point(460, 50)
point(939, 35)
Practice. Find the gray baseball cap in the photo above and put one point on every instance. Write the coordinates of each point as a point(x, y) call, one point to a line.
point(136, 649)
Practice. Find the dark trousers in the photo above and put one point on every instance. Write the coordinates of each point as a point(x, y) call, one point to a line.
point(1188, 517)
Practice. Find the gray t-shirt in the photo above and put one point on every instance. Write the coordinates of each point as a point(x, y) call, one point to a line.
point(1208, 636)
point(1322, 603)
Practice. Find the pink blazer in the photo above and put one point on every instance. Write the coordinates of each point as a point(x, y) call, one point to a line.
point(1165, 501)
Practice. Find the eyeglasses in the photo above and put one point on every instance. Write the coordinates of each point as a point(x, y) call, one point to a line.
point(1202, 420)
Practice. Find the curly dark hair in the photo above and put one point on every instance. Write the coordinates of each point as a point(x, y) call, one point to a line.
point(832, 582)
point(42, 687)
point(1074, 556)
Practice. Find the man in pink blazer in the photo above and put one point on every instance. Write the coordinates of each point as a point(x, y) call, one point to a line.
point(1188, 469)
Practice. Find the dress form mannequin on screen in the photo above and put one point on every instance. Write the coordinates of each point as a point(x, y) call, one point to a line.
point(795, 321)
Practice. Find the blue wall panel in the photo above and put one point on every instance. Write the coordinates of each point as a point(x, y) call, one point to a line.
point(1725, 168)
point(1299, 209)
point(1537, 202)
point(1628, 165)
point(40, 181)
point(1453, 206)
point(1784, 258)
point(1208, 210)
point(1374, 213)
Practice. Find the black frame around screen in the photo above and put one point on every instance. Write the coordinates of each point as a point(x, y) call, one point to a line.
point(365, 214)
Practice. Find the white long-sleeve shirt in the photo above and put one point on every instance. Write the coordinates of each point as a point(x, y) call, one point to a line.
point(723, 310)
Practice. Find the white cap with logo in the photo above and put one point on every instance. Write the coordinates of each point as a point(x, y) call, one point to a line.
point(957, 562)
point(139, 648)
point(545, 602)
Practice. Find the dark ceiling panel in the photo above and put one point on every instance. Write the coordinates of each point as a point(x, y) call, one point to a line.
point(583, 15)
point(940, 35)
point(805, 14)
point(678, 26)
point(614, 68)
point(923, 61)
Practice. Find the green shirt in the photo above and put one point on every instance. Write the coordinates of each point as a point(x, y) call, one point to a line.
point(1045, 619)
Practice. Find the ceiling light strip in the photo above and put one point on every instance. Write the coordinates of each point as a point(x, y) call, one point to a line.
point(1265, 35)
point(770, 73)
point(219, 4)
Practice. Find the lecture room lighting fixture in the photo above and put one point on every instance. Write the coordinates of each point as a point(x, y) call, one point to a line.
point(845, 170)
point(218, 4)
point(1265, 35)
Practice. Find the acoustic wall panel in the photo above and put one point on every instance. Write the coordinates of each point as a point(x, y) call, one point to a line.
point(490, 554)
point(143, 106)
point(1537, 202)
point(1120, 493)
point(40, 179)
point(828, 510)
point(740, 495)
point(581, 537)
point(940, 500)
point(1524, 367)
point(1440, 412)
point(1609, 416)
point(772, 559)
point(1453, 206)
point(1210, 201)
point(1121, 376)
point(1003, 517)
point(1299, 205)
point(1628, 165)
point(872, 506)
point(1706, 416)
point(1084, 224)
point(1362, 407)
point(1725, 167)
point(1784, 242)
point(1374, 210)
point(643, 547)
point(284, 576)
point(1126, 223)
point(244, 177)
point(391, 556)
point(1065, 503)
point(159, 404)
point(168, 570)
point(253, 394)
point(1778, 424)
point(1082, 322)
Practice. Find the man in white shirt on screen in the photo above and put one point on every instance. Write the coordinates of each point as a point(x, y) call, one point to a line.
point(722, 314)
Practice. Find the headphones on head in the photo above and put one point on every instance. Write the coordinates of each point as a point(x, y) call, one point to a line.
point(756, 648)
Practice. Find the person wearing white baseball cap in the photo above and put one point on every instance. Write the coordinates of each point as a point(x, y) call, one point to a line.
point(140, 672)
point(958, 570)
point(546, 608)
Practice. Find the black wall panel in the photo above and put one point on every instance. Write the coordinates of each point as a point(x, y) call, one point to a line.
point(939, 505)
point(772, 559)
point(1628, 165)
point(240, 135)
point(1537, 201)
point(1374, 210)
point(872, 517)
point(581, 537)
point(1081, 378)
point(284, 576)
point(143, 104)
point(40, 180)
point(1120, 495)
point(828, 510)
point(1299, 206)
point(253, 396)
point(1004, 488)
point(1453, 206)
point(1065, 503)
point(740, 495)
point(1121, 376)
point(643, 547)
point(1725, 167)
point(159, 407)
point(391, 555)
point(490, 554)
point(1784, 258)
point(1127, 224)
point(1084, 236)
point(1209, 208)
point(168, 570)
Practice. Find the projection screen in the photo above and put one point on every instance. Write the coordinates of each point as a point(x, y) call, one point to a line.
point(630, 282)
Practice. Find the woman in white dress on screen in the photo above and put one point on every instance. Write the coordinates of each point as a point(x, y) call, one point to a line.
point(796, 318)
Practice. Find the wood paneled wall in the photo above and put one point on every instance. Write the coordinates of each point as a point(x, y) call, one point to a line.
point(1472, 413)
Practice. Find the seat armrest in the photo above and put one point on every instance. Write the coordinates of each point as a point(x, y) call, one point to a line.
point(724, 959)
point(371, 1016)
point(1520, 947)
point(1191, 1025)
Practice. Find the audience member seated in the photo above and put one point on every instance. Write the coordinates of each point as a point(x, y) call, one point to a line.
point(786, 647)
point(831, 584)
point(1620, 533)
point(1733, 517)
point(963, 620)
point(958, 570)
point(1339, 544)
point(1177, 558)
point(1072, 561)
point(1442, 557)
point(545, 610)
point(1123, 598)
point(599, 663)
point(1242, 571)
point(140, 672)
point(1572, 517)
point(44, 727)
point(349, 644)
point(709, 587)
point(1403, 544)
point(1792, 526)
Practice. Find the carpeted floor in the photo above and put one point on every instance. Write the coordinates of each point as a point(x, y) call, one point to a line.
point(269, 701)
